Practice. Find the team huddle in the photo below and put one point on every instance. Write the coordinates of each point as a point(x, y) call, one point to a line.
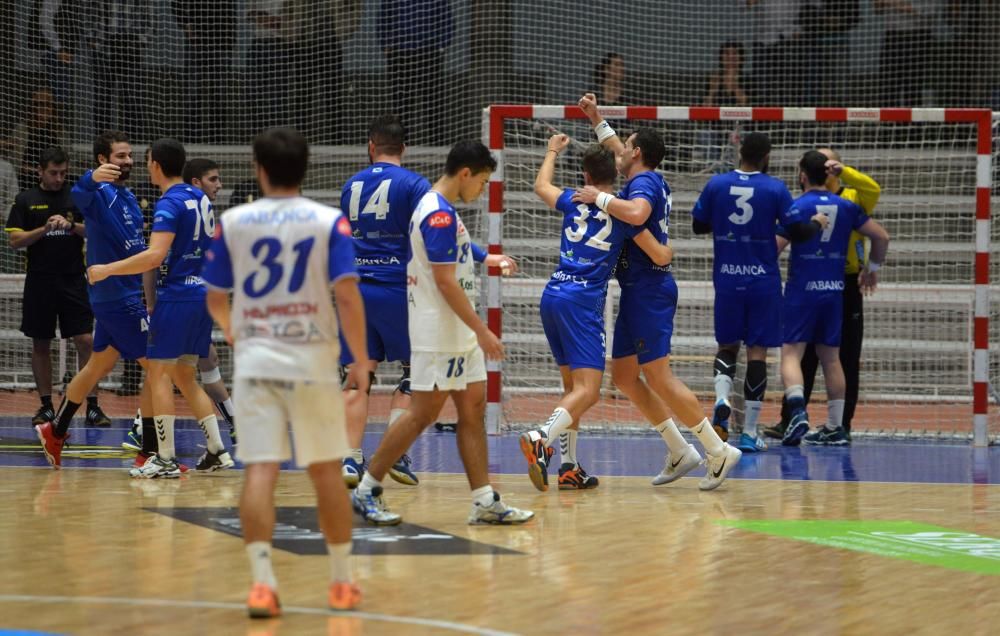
point(312, 300)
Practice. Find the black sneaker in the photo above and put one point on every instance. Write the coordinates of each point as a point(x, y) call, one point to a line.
point(823, 436)
point(96, 417)
point(574, 477)
point(45, 414)
point(212, 462)
point(777, 431)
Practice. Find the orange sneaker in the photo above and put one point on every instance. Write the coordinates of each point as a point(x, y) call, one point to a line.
point(52, 445)
point(344, 596)
point(263, 602)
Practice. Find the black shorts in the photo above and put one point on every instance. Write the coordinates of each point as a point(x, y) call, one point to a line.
point(52, 297)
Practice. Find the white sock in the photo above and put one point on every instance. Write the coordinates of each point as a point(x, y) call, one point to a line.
point(227, 409)
point(483, 496)
point(260, 563)
point(723, 386)
point(708, 437)
point(796, 391)
point(567, 447)
point(394, 415)
point(751, 415)
point(210, 426)
point(835, 412)
point(340, 562)
point(164, 436)
point(368, 483)
point(358, 455)
point(672, 437)
point(558, 422)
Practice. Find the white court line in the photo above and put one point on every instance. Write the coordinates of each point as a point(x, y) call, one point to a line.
point(162, 602)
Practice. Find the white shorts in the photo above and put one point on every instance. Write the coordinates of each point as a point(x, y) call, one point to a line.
point(265, 408)
point(446, 371)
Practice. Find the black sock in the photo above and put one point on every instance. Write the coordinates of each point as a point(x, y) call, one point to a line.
point(148, 436)
point(91, 401)
point(65, 415)
point(46, 400)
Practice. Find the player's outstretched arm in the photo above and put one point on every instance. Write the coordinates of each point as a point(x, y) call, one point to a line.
point(868, 280)
point(351, 314)
point(454, 295)
point(151, 258)
point(544, 187)
point(606, 135)
point(869, 191)
point(657, 252)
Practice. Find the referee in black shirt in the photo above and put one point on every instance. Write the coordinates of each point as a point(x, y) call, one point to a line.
point(43, 221)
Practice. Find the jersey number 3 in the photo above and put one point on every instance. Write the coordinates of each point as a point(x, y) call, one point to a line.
point(743, 203)
point(270, 271)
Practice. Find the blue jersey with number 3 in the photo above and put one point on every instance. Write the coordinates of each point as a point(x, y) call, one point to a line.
point(185, 211)
point(590, 244)
point(379, 202)
point(743, 209)
point(636, 266)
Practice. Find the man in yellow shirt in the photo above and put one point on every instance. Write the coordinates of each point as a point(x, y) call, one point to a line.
point(860, 279)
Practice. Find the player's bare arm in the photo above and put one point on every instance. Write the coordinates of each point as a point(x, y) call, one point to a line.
point(868, 279)
point(605, 134)
point(151, 258)
point(632, 211)
point(662, 255)
point(507, 264)
point(351, 315)
point(454, 295)
point(544, 188)
point(218, 307)
point(106, 173)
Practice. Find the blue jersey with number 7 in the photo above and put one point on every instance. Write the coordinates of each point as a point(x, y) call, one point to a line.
point(186, 212)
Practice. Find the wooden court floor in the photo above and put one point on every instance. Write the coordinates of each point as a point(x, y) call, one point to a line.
point(88, 551)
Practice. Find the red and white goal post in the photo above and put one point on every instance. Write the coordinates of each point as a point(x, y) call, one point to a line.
point(926, 359)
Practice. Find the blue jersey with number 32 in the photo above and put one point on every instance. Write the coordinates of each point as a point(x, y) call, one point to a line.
point(185, 211)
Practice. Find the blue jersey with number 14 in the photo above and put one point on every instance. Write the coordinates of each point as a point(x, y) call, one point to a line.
point(185, 211)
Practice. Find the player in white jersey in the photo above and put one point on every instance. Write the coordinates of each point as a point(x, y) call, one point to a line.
point(280, 255)
point(447, 343)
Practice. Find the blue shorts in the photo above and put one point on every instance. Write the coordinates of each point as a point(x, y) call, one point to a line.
point(386, 313)
point(750, 317)
point(121, 324)
point(179, 329)
point(575, 333)
point(815, 318)
point(645, 321)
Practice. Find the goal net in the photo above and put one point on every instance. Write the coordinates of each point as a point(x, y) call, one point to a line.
point(925, 362)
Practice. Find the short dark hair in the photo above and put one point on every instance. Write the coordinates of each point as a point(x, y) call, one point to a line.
point(388, 134)
point(283, 153)
point(735, 46)
point(170, 154)
point(651, 144)
point(813, 164)
point(469, 154)
point(754, 148)
point(104, 141)
point(54, 155)
point(197, 168)
point(599, 163)
point(601, 68)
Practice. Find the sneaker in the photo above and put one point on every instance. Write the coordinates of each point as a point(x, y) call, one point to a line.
point(140, 459)
point(401, 472)
point(133, 439)
point(96, 417)
point(537, 454)
point(210, 462)
point(263, 602)
point(352, 471)
point(372, 508)
point(676, 467)
point(52, 445)
point(749, 444)
point(823, 436)
point(574, 477)
point(497, 513)
point(777, 431)
point(720, 418)
point(344, 596)
point(156, 467)
point(797, 427)
point(719, 466)
point(45, 414)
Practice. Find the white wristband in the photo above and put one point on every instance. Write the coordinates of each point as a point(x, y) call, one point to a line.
point(603, 130)
point(874, 267)
point(604, 200)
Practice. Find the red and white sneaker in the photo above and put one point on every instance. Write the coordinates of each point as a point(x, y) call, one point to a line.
point(344, 596)
point(263, 602)
point(52, 445)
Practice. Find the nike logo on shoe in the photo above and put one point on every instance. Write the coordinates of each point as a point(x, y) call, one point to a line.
point(719, 472)
point(676, 463)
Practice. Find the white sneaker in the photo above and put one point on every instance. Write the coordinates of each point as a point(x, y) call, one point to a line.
point(155, 467)
point(372, 508)
point(497, 513)
point(719, 466)
point(676, 467)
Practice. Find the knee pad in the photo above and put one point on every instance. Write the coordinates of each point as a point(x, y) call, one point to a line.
point(404, 381)
point(725, 363)
point(755, 383)
point(212, 376)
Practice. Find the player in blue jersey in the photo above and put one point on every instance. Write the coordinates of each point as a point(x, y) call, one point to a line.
point(114, 231)
point(180, 328)
point(814, 296)
point(741, 209)
point(645, 318)
point(572, 305)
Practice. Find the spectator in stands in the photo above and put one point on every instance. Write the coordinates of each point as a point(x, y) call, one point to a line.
point(60, 29)
point(210, 34)
point(8, 184)
point(725, 85)
point(905, 47)
point(825, 26)
point(414, 35)
point(962, 48)
point(609, 81)
point(269, 65)
point(776, 74)
point(41, 129)
point(119, 33)
point(44, 221)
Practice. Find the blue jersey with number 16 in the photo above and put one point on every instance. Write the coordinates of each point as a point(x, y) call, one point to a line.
point(185, 211)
